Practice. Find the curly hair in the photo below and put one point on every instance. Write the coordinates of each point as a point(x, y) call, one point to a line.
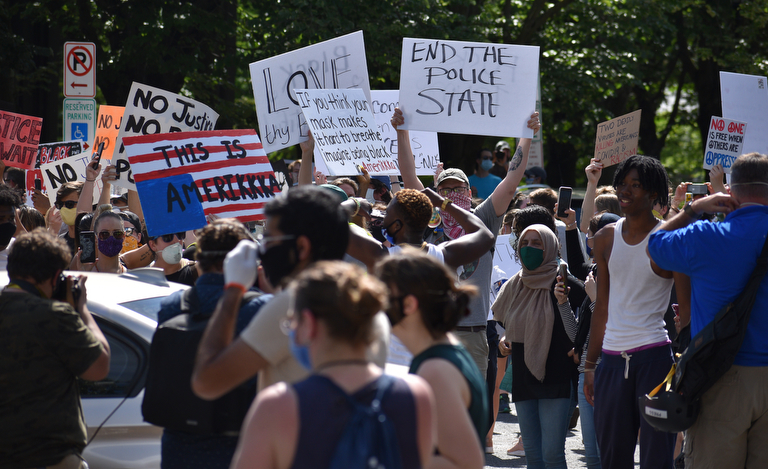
point(9, 197)
point(38, 255)
point(650, 173)
point(216, 239)
point(414, 207)
point(531, 215)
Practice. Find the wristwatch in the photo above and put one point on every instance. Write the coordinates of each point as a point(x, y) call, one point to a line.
point(688, 209)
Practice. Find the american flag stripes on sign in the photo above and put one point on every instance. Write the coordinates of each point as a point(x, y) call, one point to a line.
point(182, 177)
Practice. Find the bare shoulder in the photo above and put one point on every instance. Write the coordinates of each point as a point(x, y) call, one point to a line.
point(276, 401)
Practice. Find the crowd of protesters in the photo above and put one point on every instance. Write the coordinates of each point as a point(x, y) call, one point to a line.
point(587, 319)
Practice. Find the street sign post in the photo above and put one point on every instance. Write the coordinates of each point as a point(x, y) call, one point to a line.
point(79, 70)
point(80, 120)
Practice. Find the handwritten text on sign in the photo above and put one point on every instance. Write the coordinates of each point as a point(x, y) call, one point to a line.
point(182, 177)
point(150, 111)
point(724, 143)
point(617, 138)
point(107, 129)
point(48, 153)
point(468, 87)
point(19, 138)
point(426, 155)
point(70, 169)
point(345, 131)
point(335, 64)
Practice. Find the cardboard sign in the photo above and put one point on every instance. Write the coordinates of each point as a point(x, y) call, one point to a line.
point(336, 64)
point(182, 177)
point(745, 99)
point(70, 169)
point(724, 143)
point(345, 132)
point(48, 153)
point(107, 129)
point(617, 138)
point(150, 111)
point(426, 155)
point(19, 138)
point(468, 87)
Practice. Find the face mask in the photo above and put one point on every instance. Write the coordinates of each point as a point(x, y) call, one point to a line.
point(531, 257)
point(279, 261)
point(486, 164)
point(529, 180)
point(68, 215)
point(461, 201)
point(129, 244)
point(172, 253)
point(299, 352)
point(110, 247)
point(377, 233)
point(391, 236)
point(7, 230)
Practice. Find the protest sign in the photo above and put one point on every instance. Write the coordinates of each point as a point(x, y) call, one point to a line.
point(536, 152)
point(19, 138)
point(468, 87)
point(724, 143)
point(107, 129)
point(182, 177)
point(617, 138)
point(345, 132)
point(504, 255)
point(70, 169)
point(745, 99)
point(426, 155)
point(48, 153)
point(150, 111)
point(335, 64)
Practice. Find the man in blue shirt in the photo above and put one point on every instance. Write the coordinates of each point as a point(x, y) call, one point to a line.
point(483, 183)
point(732, 428)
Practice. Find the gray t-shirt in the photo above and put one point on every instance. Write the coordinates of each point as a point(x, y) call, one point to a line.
point(477, 273)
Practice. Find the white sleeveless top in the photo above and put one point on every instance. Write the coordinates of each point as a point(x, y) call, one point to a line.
point(432, 251)
point(638, 297)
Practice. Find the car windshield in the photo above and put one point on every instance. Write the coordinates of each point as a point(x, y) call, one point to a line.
point(148, 307)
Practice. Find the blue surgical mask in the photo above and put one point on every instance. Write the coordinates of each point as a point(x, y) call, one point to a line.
point(529, 180)
point(299, 352)
point(391, 236)
point(486, 164)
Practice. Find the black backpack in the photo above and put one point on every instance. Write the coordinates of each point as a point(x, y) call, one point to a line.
point(168, 398)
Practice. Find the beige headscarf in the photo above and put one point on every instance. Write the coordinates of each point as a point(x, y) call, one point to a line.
point(524, 304)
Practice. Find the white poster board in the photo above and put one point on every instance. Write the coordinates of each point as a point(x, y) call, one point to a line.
point(150, 110)
point(468, 87)
point(70, 169)
point(617, 138)
point(745, 99)
point(335, 64)
point(426, 154)
point(724, 143)
point(345, 132)
point(504, 255)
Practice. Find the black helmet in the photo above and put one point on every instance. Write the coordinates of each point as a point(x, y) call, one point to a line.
point(668, 411)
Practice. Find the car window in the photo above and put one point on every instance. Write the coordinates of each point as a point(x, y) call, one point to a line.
point(127, 364)
point(147, 307)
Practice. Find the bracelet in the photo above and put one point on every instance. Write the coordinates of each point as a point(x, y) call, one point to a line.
point(570, 226)
point(589, 370)
point(446, 203)
point(89, 180)
point(236, 285)
point(688, 210)
point(588, 361)
point(357, 204)
point(677, 210)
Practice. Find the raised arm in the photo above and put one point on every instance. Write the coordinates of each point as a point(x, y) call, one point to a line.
point(405, 154)
point(594, 170)
point(505, 191)
point(85, 201)
point(305, 172)
point(478, 238)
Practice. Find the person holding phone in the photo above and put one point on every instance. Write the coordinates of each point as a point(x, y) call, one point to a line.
point(109, 233)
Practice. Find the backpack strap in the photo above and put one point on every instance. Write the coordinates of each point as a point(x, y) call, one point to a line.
point(190, 303)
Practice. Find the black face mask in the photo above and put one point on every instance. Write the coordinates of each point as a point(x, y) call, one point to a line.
point(7, 230)
point(376, 232)
point(279, 261)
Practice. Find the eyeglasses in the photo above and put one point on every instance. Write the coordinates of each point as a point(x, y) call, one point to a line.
point(70, 204)
point(169, 237)
point(117, 234)
point(446, 191)
point(264, 241)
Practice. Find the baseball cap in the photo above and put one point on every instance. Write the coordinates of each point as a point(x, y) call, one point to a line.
point(502, 145)
point(384, 180)
point(452, 173)
point(335, 190)
point(536, 172)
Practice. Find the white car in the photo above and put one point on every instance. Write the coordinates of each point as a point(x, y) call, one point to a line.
point(125, 307)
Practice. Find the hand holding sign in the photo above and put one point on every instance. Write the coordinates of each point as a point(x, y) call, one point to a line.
point(617, 139)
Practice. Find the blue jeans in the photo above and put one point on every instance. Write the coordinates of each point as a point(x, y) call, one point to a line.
point(543, 423)
point(587, 418)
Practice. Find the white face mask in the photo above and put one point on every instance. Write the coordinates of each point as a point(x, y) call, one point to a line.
point(172, 253)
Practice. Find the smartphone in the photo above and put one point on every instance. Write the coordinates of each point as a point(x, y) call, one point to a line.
point(563, 271)
point(97, 156)
point(88, 246)
point(563, 200)
point(697, 189)
point(38, 184)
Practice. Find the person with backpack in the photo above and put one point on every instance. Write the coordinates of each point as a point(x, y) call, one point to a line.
point(198, 433)
point(425, 304)
point(347, 413)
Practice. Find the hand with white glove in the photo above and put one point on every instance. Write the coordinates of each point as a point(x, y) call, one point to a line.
point(240, 266)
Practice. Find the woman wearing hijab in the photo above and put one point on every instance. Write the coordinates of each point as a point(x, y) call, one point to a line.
point(535, 322)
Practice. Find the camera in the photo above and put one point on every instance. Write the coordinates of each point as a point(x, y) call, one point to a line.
point(60, 292)
point(697, 189)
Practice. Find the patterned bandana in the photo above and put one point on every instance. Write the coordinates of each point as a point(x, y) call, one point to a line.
point(452, 228)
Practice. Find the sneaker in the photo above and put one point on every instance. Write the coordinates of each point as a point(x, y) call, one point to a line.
point(504, 404)
point(518, 449)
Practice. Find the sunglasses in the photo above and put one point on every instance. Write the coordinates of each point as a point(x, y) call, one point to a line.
point(129, 231)
point(266, 242)
point(169, 237)
point(117, 234)
point(70, 204)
